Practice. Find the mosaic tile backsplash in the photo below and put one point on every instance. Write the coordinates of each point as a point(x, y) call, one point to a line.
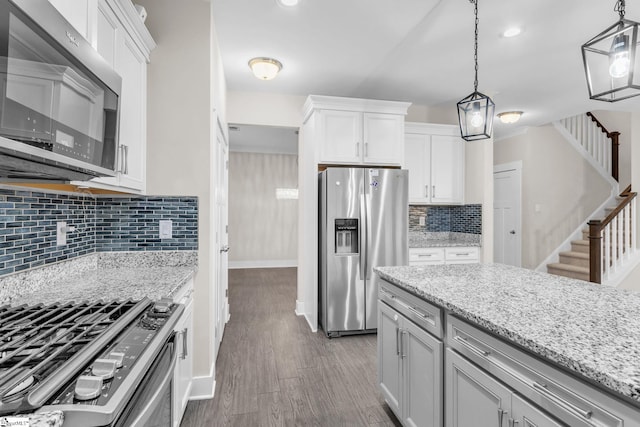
point(28, 226)
point(458, 219)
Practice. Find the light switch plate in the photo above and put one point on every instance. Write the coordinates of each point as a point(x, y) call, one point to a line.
point(421, 220)
point(166, 229)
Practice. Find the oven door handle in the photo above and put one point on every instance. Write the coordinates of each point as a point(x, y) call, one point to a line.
point(149, 407)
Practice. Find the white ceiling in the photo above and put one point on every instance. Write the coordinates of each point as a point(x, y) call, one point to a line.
point(421, 51)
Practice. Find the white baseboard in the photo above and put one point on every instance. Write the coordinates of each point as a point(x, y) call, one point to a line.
point(204, 387)
point(299, 308)
point(313, 329)
point(285, 263)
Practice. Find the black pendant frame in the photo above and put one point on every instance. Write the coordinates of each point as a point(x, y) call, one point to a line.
point(475, 106)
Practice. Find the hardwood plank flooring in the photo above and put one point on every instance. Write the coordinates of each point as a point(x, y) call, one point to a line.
point(273, 371)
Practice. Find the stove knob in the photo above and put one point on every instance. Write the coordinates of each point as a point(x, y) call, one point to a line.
point(104, 368)
point(163, 305)
point(118, 357)
point(88, 387)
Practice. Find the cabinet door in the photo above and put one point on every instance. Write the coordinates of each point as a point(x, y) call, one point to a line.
point(473, 398)
point(416, 160)
point(182, 378)
point(447, 169)
point(383, 139)
point(389, 362)
point(341, 137)
point(526, 415)
point(422, 376)
point(107, 33)
point(132, 66)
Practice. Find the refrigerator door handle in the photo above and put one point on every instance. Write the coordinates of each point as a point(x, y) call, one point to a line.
point(363, 236)
point(369, 230)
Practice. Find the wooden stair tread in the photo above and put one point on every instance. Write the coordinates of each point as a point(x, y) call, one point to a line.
point(567, 267)
point(582, 242)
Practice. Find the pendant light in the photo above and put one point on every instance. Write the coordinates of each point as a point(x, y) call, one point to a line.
point(610, 60)
point(475, 112)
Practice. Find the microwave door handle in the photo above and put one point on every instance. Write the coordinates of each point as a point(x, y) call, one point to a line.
point(142, 419)
point(125, 149)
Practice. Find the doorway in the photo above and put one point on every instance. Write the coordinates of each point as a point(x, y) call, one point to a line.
point(507, 213)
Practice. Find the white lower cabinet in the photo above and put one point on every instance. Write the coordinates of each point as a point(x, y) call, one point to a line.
point(183, 372)
point(474, 398)
point(444, 255)
point(409, 369)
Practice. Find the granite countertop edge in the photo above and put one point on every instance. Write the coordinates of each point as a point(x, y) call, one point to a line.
point(628, 387)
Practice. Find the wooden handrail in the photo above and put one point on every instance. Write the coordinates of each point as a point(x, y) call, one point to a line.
point(615, 144)
point(595, 235)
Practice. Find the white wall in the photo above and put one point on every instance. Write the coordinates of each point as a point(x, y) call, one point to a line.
point(263, 108)
point(263, 229)
point(184, 72)
point(557, 181)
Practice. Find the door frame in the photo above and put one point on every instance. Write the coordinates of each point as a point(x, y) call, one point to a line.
point(517, 167)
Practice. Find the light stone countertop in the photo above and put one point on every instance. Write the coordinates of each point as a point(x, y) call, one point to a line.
point(418, 239)
point(589, 329)
point(106, 275)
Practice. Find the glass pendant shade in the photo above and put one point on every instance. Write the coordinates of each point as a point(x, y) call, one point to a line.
point(611, 62)
point(265, 68)
point(475, 114)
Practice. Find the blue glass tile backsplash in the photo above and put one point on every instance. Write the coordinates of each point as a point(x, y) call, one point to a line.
point(28, 225)
point(458, 219)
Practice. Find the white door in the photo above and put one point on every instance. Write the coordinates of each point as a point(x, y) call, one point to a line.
point(507, 201)
point(222, 234)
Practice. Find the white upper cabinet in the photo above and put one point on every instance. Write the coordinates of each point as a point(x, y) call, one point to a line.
point(116, 31)
point(79, 13)
point(356, 131)
point(434, 156)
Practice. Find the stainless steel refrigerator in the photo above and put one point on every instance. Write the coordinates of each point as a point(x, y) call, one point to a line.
point(363, 223)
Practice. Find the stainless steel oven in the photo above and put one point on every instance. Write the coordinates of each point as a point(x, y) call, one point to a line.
point(59, 99)
point(101, 363)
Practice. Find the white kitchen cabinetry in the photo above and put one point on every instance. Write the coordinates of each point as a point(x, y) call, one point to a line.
point(79, 13)
point(183, 373)
point(434, 156)
point(356, 131)
point(409, 364)
point(444, 255)
point(124, 42)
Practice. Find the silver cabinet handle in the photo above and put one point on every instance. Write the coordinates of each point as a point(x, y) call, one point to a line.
point(433, 191)
point(419, 313)
point(120, 158)
point(462, 254)
point(125, 149)
point(425, 255)
point(501, 413)
point(513, 423)
point(542, 388)
point(471, 347)
point(366, 149)
point(403, 355)
point(357, 149)
point(185, 350)
point(225, 248)
point(387, 294)
point(397, 339)
point(426, 191)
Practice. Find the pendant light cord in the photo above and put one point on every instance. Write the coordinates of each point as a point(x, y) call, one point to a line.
point(475, 46)
point(620, 8)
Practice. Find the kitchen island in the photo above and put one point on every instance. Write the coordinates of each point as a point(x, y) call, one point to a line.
point(581, 335)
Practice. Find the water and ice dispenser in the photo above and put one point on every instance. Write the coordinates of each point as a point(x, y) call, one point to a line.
point(346, 236)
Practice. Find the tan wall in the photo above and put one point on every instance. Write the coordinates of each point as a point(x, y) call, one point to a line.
point(179, 129)
point(263, 229)
point(262, 108)
point(557, 180)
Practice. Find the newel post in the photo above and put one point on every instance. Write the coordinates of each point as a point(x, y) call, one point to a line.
point(615, 148)
point(595, 251)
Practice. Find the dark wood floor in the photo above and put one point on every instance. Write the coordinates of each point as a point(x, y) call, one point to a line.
point(273, 371)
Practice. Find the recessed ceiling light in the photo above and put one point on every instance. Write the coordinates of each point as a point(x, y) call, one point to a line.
point(512, 32)
point(288, 3)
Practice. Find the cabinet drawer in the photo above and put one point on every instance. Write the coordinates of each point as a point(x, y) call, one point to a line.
point(462, 255)
point(562, 395)
point(426, 256)
point(422, 313)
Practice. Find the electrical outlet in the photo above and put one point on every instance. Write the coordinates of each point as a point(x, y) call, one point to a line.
point(61, 233)
point(421, 220)
point(166, 229)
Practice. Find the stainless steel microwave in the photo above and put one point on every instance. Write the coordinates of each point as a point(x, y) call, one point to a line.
point(59, 99)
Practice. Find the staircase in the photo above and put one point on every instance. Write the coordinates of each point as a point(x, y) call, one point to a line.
point(601, 251)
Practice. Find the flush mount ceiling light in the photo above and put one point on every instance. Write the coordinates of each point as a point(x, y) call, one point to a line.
point(475, 112)
point(265, 68)
point(610, 60)
point(509, 116)
point(512, 32)
point(288, 3)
